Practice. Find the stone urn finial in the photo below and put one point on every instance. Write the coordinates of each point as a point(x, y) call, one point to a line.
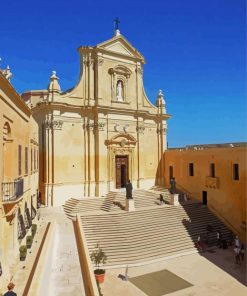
point(54, 85)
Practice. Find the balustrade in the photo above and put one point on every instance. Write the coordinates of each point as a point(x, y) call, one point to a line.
point(12, 191)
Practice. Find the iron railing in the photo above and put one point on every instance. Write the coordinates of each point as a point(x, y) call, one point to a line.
point(12, 191)
point(33, 212)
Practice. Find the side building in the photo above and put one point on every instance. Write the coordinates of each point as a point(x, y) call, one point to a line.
point(214, 174)
point(18, 174)
point(104, 131)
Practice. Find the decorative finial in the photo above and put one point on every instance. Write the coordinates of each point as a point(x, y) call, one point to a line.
point(116, 26)
point(160, 102)
point(160, 93)
point(54, 85)
point(7, 73)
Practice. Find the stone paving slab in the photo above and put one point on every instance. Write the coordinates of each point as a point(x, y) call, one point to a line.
point(206, 272)
point(59, 272)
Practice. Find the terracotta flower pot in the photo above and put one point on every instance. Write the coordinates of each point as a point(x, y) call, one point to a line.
point(100, 277)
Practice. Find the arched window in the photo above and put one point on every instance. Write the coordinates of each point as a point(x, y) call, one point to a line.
point(120, 91)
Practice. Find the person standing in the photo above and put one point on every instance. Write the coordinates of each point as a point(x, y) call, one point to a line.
point(242, 252)
point(173, 185)
point(218, 236)
point(129, 189)
point(10, 290)
point(237, 242)
point(237, 254)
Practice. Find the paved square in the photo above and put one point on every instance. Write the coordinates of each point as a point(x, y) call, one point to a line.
point(160, 283)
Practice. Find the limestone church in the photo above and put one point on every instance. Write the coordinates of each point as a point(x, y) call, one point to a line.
point(104, 131)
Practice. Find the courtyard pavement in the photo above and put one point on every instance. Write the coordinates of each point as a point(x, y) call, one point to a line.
point(58, 271)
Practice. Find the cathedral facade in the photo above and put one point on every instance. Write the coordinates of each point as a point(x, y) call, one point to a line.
point(104, 131)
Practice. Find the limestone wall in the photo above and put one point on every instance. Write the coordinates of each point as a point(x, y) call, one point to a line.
point(18, 129)
point(225, 195)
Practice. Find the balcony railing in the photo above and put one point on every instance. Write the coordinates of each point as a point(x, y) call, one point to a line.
point(12, 191)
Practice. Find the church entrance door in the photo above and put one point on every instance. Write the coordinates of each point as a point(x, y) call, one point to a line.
point(122, 172)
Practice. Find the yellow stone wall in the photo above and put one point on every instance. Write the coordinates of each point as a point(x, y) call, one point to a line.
point(225, 196)
point(17, 128)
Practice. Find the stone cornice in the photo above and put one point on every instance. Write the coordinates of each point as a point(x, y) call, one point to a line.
point(104, 109)
point(118, 54)
point(12, 95)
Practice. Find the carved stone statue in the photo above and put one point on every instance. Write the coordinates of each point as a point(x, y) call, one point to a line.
point(173, 185)
point(129, 189)
point(119, 91)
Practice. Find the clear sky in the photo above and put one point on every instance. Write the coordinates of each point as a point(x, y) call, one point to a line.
point(194, 50)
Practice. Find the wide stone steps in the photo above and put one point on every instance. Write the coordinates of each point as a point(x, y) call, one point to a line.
point(113, 202)
point(150, 234)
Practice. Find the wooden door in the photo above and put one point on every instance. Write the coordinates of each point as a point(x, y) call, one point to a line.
point(121, 171)
point(204, 198)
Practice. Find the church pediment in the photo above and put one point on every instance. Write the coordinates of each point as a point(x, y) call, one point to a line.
point(120, 45)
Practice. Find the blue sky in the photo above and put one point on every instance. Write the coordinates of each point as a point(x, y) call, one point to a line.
point(194, 51)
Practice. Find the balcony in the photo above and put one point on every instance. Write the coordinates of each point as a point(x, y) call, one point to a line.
point(12, 191)
point(212, 182)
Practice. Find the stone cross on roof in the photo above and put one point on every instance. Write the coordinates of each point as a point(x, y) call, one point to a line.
point(116, 23)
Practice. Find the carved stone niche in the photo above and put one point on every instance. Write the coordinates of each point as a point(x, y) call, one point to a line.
point(119, 74)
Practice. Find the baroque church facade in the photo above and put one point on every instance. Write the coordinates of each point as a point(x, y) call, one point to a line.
point(104, 131)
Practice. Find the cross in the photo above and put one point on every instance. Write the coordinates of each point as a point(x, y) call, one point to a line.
point(116, 23)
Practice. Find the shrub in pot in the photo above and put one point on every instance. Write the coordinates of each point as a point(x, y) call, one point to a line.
point(29, 241)
point(99, 258)
point(23, 252)
point(34, 229)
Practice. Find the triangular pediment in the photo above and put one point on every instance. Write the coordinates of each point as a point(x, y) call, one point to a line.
point(119, 44)
point(119, 47)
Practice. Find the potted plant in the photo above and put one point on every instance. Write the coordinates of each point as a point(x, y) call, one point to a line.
point(29, 241)
point(23, 252)
point(99, 258)
point(34, 229)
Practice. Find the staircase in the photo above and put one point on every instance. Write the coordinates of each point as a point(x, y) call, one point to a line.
point(151, 233)
point(113, 202)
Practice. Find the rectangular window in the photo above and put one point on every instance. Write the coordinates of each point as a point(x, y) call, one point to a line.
point(170, 172)
point(212, 170)
point(26, 160)
point(19, 160)
point(235, 171)
point(191, 169)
